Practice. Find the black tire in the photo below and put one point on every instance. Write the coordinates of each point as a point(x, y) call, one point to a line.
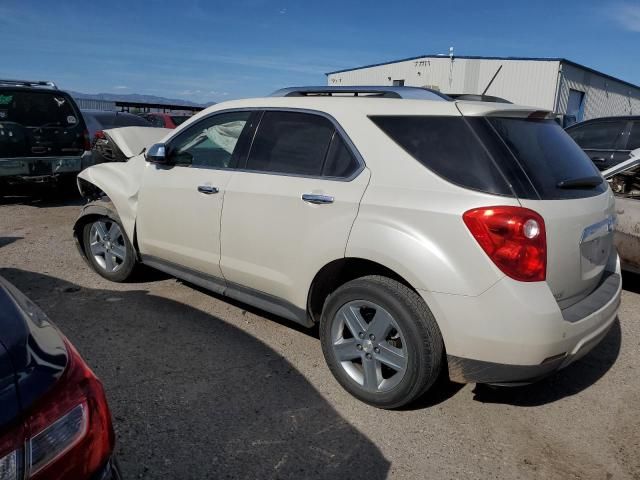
point(420, 339)
point(126, 268)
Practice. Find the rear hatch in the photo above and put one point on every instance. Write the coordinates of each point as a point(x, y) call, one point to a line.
point(39, 123)
point(559, 181)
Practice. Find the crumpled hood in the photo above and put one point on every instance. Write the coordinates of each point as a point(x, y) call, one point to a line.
point(132, 140)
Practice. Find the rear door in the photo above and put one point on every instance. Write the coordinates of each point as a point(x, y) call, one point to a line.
point(180, 205)
point(39, 124)
point(290, 210)
point(570, 194)
point(604, 141)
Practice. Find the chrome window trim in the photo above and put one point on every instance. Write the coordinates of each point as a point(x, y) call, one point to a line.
point(345, 138)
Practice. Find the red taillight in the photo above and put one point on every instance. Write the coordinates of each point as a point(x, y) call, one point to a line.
point(68, 432)
point(100, 135)
point(514, 238)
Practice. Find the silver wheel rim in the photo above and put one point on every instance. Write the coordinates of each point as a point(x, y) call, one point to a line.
point(369, 345)
point(107, 245)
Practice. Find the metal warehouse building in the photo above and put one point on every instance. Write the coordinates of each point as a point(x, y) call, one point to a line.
point(572, 90)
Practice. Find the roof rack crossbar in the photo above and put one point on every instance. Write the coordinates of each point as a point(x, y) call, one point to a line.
point(416, 93)
point(28, 83)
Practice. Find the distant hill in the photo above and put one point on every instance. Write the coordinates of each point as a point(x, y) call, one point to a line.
point(136, 97)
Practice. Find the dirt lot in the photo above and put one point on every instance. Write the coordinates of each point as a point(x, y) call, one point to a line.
point(203, 388)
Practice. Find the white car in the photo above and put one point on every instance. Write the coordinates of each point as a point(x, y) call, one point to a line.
point(426, 236)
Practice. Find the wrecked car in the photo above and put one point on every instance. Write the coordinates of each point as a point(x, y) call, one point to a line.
point(624, 179)
point(43, 136)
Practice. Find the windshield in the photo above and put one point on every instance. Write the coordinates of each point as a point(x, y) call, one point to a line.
point(37, 109)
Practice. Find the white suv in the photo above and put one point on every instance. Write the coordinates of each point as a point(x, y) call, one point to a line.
point(426, 236)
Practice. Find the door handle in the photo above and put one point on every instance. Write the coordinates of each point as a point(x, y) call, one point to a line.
point(599, 159)
point(317, 199)
point(207, 189)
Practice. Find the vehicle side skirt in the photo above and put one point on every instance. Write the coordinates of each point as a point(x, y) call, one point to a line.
point(243, 294)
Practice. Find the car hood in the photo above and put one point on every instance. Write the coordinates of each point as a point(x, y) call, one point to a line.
point(634, 160)
point(132, 140)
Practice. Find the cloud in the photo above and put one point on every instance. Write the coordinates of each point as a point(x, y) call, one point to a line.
point(121, 87)
point(627, 15)
point(283, 11)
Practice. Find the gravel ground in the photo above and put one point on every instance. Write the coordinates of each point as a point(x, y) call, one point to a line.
point(205, 388)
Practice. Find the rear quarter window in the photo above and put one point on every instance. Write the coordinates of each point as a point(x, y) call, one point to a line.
point(448, 147)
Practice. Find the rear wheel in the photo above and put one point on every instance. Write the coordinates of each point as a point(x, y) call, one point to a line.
point(108, 249)
point(381, 341)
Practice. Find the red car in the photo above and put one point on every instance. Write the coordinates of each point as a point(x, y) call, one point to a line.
point(164, 120)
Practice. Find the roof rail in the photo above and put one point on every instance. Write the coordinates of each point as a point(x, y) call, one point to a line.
point(415, 93)
point(29, 83)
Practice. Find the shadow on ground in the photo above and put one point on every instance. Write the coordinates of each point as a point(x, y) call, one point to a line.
point(631, 282)
point(569, 381)
point(43, 196)
point(194, 397)
point(4, 241)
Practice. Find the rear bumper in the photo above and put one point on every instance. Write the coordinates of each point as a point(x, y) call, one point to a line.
point(516, 333)
point(41, 169)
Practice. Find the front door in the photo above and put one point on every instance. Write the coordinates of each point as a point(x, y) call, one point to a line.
point(180, 204)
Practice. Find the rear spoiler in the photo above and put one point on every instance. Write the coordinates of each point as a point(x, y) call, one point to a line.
point(634, 160)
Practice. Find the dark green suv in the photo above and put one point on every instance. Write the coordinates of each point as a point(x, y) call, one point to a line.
point(43, 137)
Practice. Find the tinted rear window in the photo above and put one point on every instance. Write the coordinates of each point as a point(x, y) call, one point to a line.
point(114, 120)
point(448, 147)
point(38, 109)
point(547, 155)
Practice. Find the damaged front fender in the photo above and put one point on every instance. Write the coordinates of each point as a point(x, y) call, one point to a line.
point(121, 183)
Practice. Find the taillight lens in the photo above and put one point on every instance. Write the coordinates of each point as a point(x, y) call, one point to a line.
point(513, 237)
point(66, 434)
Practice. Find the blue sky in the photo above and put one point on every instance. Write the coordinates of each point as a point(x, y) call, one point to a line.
point(211, 50)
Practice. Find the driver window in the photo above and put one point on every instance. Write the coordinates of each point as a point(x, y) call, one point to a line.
point(210, 143)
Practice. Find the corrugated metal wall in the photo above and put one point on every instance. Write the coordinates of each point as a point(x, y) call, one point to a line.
point(95, 104)
point(523, 82)
point(604, 97)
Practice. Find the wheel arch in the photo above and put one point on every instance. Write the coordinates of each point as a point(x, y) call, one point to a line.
point(337, 273)
point(102, 207)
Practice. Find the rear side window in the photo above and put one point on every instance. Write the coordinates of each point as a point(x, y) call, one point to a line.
point(598, 135)
point(547, 155)
point(291, 143)
point(448, 147)
point(634, 137)
point(38, 109)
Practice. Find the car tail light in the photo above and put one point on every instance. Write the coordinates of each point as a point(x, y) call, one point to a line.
point(67, 434)
point(513, 237)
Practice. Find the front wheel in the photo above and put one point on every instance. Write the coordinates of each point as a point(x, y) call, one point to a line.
point(108, 249)
point(381, 341)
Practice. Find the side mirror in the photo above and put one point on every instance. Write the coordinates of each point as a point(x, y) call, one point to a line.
point(157, 154)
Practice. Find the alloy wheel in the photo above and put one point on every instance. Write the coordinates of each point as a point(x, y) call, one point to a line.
point(369, 345)
point(107, 245)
